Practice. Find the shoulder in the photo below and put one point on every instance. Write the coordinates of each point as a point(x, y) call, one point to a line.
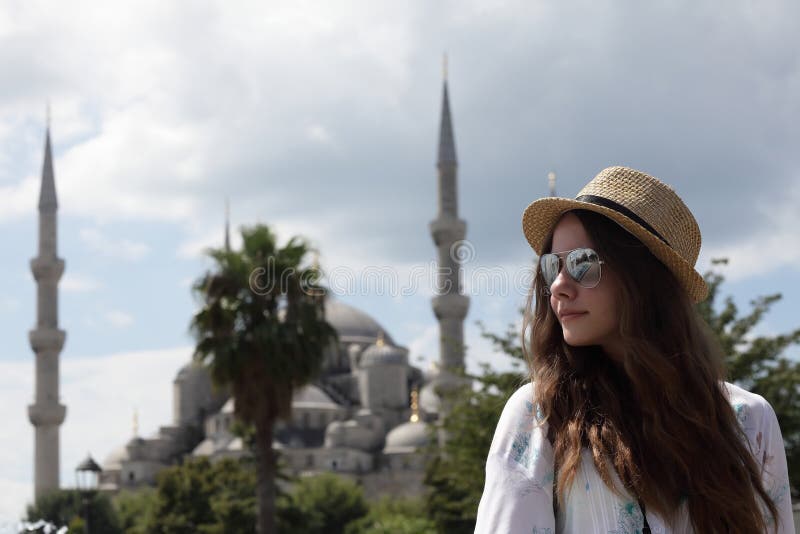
point(521, 434)
point(520, 409)
point(757, 419)
point(752, 410)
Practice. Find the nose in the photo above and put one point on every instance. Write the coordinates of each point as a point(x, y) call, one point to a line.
point(563, 286)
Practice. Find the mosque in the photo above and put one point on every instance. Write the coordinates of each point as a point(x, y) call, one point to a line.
point(367, 416)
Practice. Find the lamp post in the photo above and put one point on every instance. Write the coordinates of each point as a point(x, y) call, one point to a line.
point(86, 475)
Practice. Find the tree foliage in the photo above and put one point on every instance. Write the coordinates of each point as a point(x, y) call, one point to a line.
point(455, 473)
point(67, 507)
point(134, 509)
point(758, 362)
point(261, 331)
point(204, 497)
point(321, 504)
point(390, 515)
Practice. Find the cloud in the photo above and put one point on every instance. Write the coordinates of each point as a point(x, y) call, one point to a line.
point(120, 249)
point(76, 283)
point(119, 319)
point(141, 143)
point(773, 246)
point(16, 199)
point(101, 395)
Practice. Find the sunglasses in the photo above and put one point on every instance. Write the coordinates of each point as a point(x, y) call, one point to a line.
point(583, 266)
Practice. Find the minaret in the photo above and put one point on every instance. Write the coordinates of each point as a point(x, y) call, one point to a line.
point(47, 413)
point(449, 305)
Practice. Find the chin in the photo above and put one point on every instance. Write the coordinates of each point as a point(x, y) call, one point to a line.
point(575, 341)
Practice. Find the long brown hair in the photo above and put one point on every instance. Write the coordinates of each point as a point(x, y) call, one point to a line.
point(658, 416)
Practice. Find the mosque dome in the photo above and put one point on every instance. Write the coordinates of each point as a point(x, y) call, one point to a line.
point(228, 407)
point(113, 461)
point(407, 437)
point(312, 396)
point(353, 325)
point(383, 353)
point(429, 400)
point(191, 372)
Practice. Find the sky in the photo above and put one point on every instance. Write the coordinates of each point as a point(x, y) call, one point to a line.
point(321, 119)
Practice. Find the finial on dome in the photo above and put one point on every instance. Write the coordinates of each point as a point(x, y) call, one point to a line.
point(551, 179)
point(135, 423)
point(380, 342)
point(414, 405)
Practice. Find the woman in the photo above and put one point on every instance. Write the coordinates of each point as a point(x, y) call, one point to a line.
point(628, 425)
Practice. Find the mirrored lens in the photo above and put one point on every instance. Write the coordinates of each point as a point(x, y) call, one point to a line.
point(583, 265)
point(548, 264)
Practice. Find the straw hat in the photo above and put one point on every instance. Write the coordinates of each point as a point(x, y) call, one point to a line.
point(646, 207)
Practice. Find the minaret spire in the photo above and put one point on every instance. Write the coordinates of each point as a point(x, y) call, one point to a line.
point(47, 339)
point(447, 143)
point(450, 306)
point(551, 181)
point(47, 194)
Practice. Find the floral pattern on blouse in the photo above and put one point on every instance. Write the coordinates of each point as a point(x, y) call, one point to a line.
point(629, 519)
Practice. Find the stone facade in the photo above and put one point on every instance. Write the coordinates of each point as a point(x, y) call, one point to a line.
point(353, 421)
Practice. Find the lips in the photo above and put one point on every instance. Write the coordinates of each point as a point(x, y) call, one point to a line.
point(570, 314)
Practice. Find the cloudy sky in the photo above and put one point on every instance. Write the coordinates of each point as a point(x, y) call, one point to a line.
point(321, 119)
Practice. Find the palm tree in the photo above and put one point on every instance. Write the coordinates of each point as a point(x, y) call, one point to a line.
point(261, 332)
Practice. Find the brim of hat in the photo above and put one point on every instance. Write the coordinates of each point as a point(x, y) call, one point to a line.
point(540, 217)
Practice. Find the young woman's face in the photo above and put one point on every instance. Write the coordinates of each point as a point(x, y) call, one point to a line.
point(588, 316)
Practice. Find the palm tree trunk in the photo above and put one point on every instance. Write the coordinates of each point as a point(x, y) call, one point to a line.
point(265, 481)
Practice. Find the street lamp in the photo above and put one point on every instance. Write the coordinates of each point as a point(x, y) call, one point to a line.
point(86, 475)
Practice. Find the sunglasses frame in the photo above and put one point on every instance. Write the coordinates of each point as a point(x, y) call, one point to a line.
point(562, 265)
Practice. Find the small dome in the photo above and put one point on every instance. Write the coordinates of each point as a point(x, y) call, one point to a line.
point(311, 396)
point(192, 371)
point(352, 325)
point(382, 353)
point(113, 461)
point(432, 371)
point(407, 437)
point(429, 401)
point(228, 406)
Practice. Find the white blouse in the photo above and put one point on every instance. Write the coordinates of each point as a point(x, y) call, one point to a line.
point(518, 493)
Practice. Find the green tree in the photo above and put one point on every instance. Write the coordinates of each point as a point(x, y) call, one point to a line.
point(390, 515)
point(758, 363)
point(67, 507)
point(204, 497)
point(322, 504)
point(261, 331)
point(135, 509)
point(454, 473)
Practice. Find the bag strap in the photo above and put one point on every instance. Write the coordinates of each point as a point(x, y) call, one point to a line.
point(646, 528)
